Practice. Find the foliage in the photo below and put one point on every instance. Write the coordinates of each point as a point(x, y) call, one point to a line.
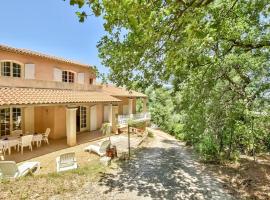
point(106, 129)
point(206, 63)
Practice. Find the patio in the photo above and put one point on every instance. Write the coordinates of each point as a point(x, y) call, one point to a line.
point(55, 145)
point(46, 154)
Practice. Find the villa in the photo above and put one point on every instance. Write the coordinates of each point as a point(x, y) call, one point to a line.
point(39, 91)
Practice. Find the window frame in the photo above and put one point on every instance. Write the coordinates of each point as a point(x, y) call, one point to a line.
point(12, 65)
point(19, 69)
point(83, 117)
point(7, 120)
point(16, 113)
point(68, 76)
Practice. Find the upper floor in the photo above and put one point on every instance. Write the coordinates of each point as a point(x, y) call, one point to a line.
point(24, 68)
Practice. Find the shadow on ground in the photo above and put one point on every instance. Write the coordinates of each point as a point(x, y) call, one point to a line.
point(167, 172)
point(246, 179)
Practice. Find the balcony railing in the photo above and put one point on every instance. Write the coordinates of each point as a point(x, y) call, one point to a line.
point(35, 83)
point(123, 119)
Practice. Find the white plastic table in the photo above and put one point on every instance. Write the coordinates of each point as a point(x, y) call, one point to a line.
point(10, 142)
point(37, 138)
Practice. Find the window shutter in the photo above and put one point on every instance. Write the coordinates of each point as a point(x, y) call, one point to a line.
point(57, 74)
point(81, 78)
point(29, 71)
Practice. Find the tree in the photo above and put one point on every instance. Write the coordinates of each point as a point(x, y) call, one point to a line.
point(214, 54)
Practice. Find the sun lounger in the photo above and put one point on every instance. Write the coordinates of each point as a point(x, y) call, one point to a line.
point(99, 149)
point(66, 162)
point(9, 169)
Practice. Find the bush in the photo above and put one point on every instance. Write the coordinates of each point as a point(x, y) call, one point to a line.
point(208, 149)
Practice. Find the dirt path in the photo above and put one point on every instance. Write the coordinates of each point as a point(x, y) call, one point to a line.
point(162, 169)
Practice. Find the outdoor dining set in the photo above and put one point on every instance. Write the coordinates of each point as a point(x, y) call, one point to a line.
point(18, 140)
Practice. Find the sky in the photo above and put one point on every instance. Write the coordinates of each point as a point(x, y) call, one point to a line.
point(51, 27)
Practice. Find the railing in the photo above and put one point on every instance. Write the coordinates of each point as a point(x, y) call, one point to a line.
point(123, 119)
point(35, 83)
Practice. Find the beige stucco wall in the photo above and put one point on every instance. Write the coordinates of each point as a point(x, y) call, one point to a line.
point(44, 118)
point(28, 120)
point(53, 118)
point(59, 122)
point(125, 101)
point(44, 67)
point(99, 116)
point(38, 118)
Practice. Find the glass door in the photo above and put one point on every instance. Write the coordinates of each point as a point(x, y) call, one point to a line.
point(5, 121)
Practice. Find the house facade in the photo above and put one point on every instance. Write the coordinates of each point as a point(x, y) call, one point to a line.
point(39, 91)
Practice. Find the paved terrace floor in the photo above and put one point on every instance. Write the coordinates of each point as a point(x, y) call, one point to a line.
point(46, 154)
point(55, 145)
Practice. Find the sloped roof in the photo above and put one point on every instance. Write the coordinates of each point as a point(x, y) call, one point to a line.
point(121, 92)
point(41, 55)
point(23, 96)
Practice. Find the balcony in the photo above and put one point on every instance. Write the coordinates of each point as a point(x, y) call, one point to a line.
point(140, 117)
point(35, 83)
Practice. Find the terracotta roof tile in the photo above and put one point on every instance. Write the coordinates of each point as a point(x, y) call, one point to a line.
point(21, 96)
point(121, 92)
point(42, 55)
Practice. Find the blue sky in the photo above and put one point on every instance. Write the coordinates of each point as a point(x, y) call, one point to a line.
point(51, 27)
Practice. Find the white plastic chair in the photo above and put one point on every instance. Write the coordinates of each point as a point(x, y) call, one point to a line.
point(46, 135)
point(66, 162)
point(99, 149)
point(26, 141)
point(38, 139)
point(9, 169)
point(3, 147)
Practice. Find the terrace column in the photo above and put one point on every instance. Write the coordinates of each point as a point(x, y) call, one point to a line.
point(130, 107)
point(110, 113)
point(114, 118)
point(71, 125)
point(113, 111)
point(144, 105)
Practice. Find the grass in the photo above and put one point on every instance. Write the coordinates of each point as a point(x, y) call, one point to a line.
point(44, 186)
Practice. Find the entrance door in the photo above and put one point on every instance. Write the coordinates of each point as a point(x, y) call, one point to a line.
point(81, 119)
point(93, 118)
point(84, 124)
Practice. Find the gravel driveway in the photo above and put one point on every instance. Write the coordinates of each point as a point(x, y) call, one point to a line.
point(161, 169)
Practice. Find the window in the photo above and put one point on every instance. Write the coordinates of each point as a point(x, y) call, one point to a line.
point(16, 70)
point(8, 117)
point(67, 76)
point(5, 68)
point(91, 81)
point(5, 121)
point(10, 69)
point(70, 77)
point(16, 118)
point(83, 116)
